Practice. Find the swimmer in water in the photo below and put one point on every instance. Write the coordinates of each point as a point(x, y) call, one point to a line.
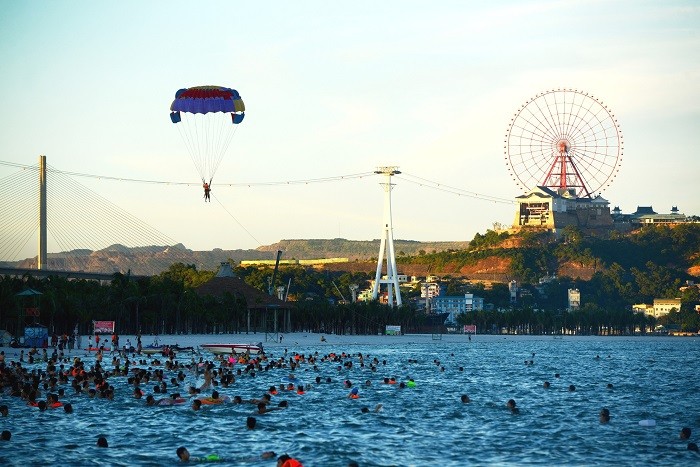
point(685, 433)
point(185, 456)
point(6, 435)
point(546, 385)
point(512, 406)
point(465, 399)
point(150, 400)
point(286, 460)
point(102, 442)
point(604, 415)
point(263, 409)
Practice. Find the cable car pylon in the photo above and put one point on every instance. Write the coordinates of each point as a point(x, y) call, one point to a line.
point(386, 247)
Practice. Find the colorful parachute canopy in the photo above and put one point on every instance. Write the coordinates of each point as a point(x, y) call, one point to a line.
point(206, 99)
point(206, 127)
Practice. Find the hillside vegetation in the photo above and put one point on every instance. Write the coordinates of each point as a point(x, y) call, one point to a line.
point(651, 262)
point(354, 249)
point(611, 273)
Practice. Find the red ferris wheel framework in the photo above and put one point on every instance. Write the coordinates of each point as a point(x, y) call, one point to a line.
point(564, 139)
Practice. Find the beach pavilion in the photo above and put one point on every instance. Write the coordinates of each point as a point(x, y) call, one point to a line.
point(258, 304)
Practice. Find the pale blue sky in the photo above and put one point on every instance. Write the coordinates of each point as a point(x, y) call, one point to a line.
point(334, 88)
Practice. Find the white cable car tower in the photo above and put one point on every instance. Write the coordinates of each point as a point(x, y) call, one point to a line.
point(387, 244)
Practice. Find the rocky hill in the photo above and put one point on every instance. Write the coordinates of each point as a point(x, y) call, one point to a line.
point(152, 260)
point(492, 257)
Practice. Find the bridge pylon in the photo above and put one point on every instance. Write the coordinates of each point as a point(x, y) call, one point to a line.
point(41, 256)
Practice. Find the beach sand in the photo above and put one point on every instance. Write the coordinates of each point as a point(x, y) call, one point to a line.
point(288, 341)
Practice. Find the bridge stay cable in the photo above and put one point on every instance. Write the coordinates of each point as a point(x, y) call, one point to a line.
point(81, 223)
point(16, 201)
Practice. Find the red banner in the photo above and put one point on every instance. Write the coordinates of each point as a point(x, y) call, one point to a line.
point(103, 327)
point(470, 328)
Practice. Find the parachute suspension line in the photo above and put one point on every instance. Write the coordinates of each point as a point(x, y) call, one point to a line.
point(218, 136)
point(189, 144)
point(200, 141)
point(207, 138)
point(188, 133)
point(237, 221)
point(225, 142)
point(207, 141)
point(212, 155)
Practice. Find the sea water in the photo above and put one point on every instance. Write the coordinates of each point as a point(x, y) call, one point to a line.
point(652, 378)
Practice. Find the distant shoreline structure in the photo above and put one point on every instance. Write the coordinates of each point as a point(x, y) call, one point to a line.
point(302, 262)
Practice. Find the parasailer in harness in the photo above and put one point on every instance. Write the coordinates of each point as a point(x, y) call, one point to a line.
point(207, 191)
point(206, 118)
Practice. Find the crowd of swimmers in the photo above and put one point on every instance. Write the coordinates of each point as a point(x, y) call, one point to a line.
point(46, 388)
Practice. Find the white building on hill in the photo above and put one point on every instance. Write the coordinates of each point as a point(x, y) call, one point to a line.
point(546, 208)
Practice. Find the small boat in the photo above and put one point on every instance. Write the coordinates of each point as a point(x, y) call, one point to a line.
point(152, 350)
point(164, 349)
point(155, 348)
point(226, 349)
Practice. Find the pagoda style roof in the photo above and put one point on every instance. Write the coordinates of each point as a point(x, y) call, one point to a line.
point(569, 195)
point(644, 211)
point(540, 192)
point(226, 281)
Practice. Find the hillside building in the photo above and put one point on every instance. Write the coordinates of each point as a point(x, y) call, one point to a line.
point(431, 289)
point(554, 209)
point(643, 308)
point(549, 209)
point(661, 307)
point(456, 304)
point(645, 215)
point(513, 290)
point(574, 300)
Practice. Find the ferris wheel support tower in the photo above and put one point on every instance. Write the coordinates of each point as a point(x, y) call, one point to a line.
point(567, 177)
point(386, 247)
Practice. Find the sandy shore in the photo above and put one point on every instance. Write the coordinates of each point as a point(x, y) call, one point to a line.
point(288, 341)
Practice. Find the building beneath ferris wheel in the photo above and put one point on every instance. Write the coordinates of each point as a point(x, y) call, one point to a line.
point(550, 209)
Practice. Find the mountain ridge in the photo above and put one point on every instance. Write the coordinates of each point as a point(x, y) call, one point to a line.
point(153, 259)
